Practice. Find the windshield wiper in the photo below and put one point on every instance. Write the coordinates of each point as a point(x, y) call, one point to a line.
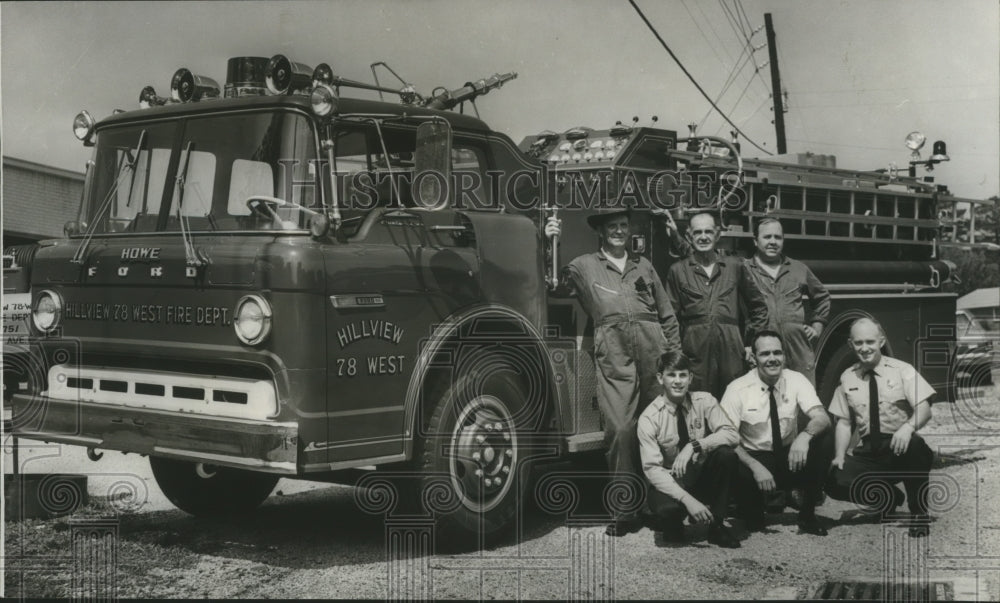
point(127, 163)
point(190, 255)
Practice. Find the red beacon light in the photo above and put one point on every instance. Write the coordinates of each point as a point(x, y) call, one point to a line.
point(186, 86)
point(282, 76)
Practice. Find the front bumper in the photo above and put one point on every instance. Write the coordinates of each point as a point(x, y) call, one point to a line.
point(267, 446)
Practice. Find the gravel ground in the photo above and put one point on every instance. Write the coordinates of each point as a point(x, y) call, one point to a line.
point(312, 540)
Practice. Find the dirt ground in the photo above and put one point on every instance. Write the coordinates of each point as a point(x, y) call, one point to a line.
point(314, 540)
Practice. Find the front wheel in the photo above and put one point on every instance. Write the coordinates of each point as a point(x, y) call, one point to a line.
point(477, 440)
point(207, 490)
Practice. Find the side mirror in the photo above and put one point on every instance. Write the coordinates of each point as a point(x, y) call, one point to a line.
point(432, 165)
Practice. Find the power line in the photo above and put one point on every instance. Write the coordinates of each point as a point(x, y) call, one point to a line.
point(900, 103)
point(722, 44)
point(739, 4)
point(755, 111)
point(737, 103)
point(729, 82)
point(858, 90)
point(690, 77)
point(711, 46)
point(740, 32)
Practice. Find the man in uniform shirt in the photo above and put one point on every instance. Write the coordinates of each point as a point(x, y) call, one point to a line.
point(764, 404)
point(634, 324)
point(686, 445)
point(707, 289)
point(889, 401)
point(783, 281)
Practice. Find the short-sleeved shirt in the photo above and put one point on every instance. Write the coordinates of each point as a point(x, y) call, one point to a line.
point(748, 404)
point(900, 390)
point(658, 436)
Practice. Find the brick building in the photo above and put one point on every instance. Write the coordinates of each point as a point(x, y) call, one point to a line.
point(37, 200)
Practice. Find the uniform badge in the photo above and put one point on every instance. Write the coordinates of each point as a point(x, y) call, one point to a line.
point(697, 422)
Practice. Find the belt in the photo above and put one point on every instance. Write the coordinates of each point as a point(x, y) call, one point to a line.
point(706, 320)
point(619, 318)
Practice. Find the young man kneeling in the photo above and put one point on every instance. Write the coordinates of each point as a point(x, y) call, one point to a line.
point(686, 444)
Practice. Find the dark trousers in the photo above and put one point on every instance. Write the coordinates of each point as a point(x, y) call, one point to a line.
point(707, 480)
point(866, 471)
point(810, 478)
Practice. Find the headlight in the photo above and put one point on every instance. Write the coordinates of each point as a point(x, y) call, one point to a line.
point(83, 126)
point(252, 319)
point(324, 100)
point(46, 311)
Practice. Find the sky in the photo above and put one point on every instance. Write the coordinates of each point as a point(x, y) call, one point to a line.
point(859, 75)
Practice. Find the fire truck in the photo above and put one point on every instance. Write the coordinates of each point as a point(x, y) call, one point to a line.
point(270, 279)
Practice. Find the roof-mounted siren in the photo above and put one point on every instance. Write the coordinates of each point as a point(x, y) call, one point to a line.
point(282, 76)
point(186, 86)
point(245, 76)
point(148, 98)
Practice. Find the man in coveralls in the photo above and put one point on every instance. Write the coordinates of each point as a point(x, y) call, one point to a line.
point(783, 281)
point(706, 289)
point(634, 324)
point(686, 443)
point(889, 401)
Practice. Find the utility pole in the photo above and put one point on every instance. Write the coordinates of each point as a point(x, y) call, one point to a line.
point(779, 107)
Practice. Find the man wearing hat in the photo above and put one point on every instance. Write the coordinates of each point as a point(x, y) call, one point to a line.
point(634, 324)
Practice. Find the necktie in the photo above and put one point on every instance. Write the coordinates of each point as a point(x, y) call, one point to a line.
point(682, 429)
point(874, 424)
point(777, 446)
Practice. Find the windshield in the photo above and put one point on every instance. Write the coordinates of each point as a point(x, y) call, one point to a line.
point(203, 170)
point(375, 168)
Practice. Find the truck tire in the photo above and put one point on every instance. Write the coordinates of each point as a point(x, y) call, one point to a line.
point(206, 490)
point(839, 361)
point(475, 443)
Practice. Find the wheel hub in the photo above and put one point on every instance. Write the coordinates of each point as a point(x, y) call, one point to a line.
point(484, 453)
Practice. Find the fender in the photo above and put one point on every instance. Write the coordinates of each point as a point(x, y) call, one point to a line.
point(841, 321)
point(447, 332)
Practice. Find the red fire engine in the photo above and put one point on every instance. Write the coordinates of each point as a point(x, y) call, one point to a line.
point(273, 280)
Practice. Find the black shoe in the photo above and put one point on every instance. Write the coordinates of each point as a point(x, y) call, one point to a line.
point(796, 499)
point(811, 525)
point(622, 527)
point(673, 533)
point(898, 498)
point(756, 524)
point(721, 535)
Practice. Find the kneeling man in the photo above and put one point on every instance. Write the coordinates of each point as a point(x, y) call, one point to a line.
point(889, 401)
point(764, 403)
point(686, 445)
